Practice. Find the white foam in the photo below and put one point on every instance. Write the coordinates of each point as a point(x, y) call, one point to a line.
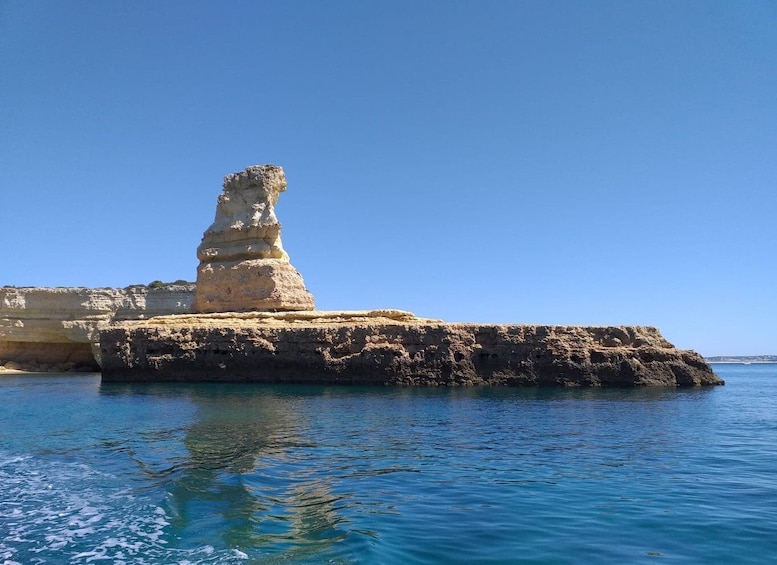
point(48, 509)
point(69, 512)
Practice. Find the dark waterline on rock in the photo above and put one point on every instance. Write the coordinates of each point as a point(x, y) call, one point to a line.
point(163, 473)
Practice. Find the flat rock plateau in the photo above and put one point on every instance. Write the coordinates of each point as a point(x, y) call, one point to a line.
point(391, 347)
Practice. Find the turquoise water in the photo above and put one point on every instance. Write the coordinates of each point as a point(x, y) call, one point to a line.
point(298, 474)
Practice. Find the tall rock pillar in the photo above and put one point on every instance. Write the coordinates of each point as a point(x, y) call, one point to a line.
point(243, 265)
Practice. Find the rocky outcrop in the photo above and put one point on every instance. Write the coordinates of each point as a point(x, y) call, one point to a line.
point(253, 321)
point(243, 265)
point(391, 347)
point(57, 329)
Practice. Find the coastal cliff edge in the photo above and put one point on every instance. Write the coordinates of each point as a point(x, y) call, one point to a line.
point(391, 347)
point(57, 329)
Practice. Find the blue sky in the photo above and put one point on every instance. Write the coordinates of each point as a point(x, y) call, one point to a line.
point(554, 162)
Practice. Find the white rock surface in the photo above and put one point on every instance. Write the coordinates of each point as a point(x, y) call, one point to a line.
point(58, 328)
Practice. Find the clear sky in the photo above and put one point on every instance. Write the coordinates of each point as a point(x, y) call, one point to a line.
point(560, 162)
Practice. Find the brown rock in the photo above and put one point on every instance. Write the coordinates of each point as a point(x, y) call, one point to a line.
point(392, 348)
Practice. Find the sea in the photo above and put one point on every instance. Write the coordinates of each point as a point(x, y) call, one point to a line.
point(218, 473)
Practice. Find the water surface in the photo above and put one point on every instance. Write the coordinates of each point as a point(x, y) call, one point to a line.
point(214, 473)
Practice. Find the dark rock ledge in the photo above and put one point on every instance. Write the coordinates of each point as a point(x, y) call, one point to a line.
point(391, 348)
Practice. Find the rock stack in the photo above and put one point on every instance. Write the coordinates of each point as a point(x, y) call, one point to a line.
point(243, 266)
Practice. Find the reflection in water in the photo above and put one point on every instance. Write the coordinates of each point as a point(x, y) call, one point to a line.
point(245, 482)
point(310, 473)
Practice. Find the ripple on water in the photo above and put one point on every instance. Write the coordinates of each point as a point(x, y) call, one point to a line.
point(263, 474)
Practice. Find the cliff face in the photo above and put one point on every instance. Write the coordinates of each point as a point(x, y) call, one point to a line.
point(392, 348)
point(57, 329)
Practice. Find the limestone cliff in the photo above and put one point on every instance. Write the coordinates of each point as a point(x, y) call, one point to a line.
point(392, 348)
point(58, 328)
point(242, 262)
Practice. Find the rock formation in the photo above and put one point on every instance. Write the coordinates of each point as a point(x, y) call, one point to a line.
point(254, 322)
point(392, 348)
point(251, 319)
point(57, 329)
point(243, 266)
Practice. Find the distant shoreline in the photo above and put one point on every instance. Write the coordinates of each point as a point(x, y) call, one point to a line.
point(741, 359)
point(733, 362)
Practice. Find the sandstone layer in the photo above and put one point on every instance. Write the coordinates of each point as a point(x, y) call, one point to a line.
point(391, 348)
point(57, 329)
point(243, 265)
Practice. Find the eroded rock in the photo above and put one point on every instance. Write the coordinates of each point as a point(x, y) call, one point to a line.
point(243, 265)
point(392, 347)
